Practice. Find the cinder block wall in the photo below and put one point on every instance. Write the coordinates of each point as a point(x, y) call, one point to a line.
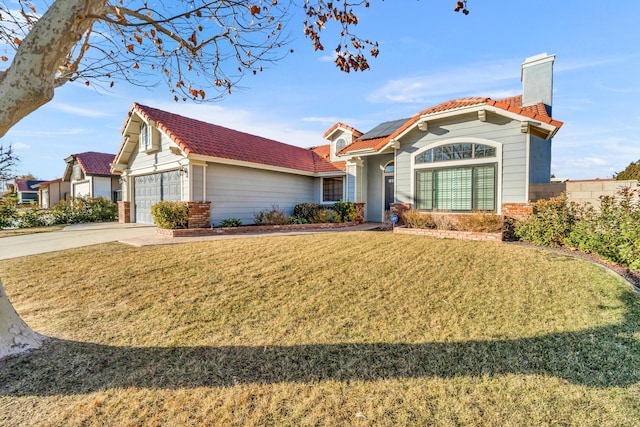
point(590, 191)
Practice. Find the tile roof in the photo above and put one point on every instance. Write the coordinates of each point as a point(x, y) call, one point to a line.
point(25, 185)
point(324, 151)
point(513, 104)
point(198, 137)
point(93, 163)
point(356, 133)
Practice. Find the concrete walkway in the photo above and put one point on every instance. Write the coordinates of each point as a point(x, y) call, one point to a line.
point(78, 235)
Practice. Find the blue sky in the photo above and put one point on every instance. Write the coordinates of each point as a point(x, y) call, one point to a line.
point(428, 55)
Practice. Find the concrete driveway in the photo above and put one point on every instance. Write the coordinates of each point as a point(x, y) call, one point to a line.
point(72, 236)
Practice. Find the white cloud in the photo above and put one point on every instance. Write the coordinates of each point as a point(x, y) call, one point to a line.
point(20, 146)
point(485, 79)
point(79, 111)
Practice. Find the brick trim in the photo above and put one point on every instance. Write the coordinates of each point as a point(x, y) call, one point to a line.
point(249, 229)
point(451, 234)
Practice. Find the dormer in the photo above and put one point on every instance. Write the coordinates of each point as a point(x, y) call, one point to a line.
point(340, 136)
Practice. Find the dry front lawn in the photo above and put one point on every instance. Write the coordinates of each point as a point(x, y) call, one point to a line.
point(339, 329)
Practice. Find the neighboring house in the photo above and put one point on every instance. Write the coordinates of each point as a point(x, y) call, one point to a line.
point(25, 190)
point(89, 175)
point(462, 155)
point(51, 193)
point(166, 156)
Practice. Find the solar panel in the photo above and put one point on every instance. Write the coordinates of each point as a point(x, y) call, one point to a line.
point(383, 129)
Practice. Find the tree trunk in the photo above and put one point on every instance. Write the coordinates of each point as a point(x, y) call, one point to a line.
point(30, 80)
point(15, 335)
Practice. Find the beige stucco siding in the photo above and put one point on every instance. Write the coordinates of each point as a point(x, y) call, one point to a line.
point(240, 192)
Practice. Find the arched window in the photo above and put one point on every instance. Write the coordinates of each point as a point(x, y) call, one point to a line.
point(470, 184)
point(389, 167)
point(340, 144)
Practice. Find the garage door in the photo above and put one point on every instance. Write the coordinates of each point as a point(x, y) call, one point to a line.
point(150, 189)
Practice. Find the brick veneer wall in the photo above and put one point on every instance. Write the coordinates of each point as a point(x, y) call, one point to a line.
point(517, 210)
point(199, 214)
point(359, 212)
point(399, 209)
point(124, 212)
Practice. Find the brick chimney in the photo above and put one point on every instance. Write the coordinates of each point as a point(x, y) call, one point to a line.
point(537, 80)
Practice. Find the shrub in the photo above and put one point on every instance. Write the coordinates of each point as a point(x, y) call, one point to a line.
point(445, 221)
point(551, 222)
point(231, 222)
point(322, 216)
point(415, 219)
point(31, 217)
point(344, 212)
point(171, 215)
point(297, 220)
point(481, 221)
point(8, 214)
point(273, 216)
point(81, 209)
point(307, 211)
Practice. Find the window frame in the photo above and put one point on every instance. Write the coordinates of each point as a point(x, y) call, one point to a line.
point(342, 189)
point(449, 164)
point(472, 187)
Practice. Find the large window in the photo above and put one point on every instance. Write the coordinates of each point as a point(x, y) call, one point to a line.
point(461, 189)
point(332, 189)
point(462, 151)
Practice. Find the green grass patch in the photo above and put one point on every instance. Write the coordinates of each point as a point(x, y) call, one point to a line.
point(324, 329)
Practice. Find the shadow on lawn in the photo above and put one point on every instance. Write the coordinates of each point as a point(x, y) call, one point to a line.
point(598, 357)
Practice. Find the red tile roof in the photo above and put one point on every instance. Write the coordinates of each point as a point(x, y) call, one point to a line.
point(356, 133)
point(513, 104)
point(93, 163)
point(198, 137)
point(324, 151)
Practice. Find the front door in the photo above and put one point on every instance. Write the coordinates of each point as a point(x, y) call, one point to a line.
point(388, 191)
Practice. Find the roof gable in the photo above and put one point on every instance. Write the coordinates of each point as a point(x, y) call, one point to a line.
point(206, 139)
point(94, 163)
point(376, 139)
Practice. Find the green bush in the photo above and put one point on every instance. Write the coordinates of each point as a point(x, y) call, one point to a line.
point(82, 209)
point(415, 219)
point(297, 220)
point(171, 215)
point(344, 212)
point(612, 231)
point(231, 222)
point(307, 210)
point(8, 214)
point(273, 216)
point(322, 216)
point(551, 222)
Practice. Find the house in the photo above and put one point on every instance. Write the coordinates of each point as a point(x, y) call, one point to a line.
point(50, 193)
point(25, 190)
point(89, 175)
point(165, 156)
point(462, 155)
point(459, 156)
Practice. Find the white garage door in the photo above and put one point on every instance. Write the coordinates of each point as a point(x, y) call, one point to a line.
point(150, 189)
